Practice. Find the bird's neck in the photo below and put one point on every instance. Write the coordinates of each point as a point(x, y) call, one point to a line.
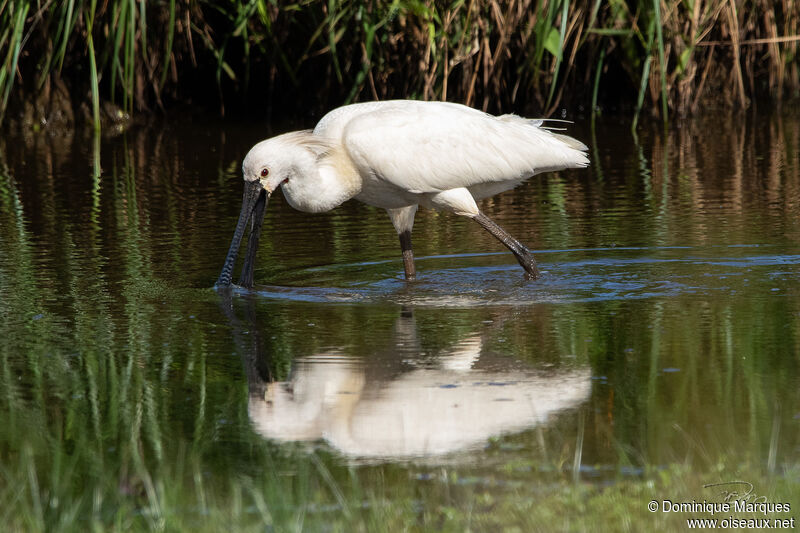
point(319, 184)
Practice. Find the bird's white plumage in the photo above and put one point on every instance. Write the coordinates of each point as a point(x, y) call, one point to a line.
point(401, 154)
point(429, 147)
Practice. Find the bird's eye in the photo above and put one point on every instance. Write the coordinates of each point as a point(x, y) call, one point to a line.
point(264, 172)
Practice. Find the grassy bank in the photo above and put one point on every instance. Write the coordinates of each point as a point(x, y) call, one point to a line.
point(531, 56)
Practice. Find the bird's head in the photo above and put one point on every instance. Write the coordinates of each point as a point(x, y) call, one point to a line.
point(268, 165)
point(271, 163)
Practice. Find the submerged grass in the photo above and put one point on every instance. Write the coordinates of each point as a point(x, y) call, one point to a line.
point(511, 54)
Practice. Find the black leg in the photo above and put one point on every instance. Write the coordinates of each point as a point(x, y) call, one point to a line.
point(408, 256)
point(522, 254)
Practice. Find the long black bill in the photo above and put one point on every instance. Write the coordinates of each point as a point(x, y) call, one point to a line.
point(254, 203)
point(248, 268)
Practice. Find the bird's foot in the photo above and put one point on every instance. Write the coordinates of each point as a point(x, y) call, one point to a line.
point(527, 262)
point(531, 276)
point(531, 272)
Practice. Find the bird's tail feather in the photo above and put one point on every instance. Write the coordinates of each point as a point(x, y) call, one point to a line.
point(571, 142)
point(540, 123)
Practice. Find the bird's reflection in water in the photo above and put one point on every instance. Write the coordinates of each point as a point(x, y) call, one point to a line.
point(365, 409)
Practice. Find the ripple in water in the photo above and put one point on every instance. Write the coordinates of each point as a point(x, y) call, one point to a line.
point(582, 276)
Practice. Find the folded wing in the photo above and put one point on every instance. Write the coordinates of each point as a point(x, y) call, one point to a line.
point(425, 147)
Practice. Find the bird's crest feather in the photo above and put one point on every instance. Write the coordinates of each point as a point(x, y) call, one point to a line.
point(318, 145)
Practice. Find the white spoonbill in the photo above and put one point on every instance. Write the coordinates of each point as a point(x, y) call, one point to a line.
point(398, 155)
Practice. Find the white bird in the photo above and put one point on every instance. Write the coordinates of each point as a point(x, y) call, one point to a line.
point(398, 155)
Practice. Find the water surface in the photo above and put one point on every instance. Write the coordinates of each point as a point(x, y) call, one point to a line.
point(658, 352)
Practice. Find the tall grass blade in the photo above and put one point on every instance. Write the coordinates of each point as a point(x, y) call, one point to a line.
point(662, 63)
point(560, 55)
point(168, 48)
point(332, 19)
point(66, 31)
point(645, 76)
point(597, 73)
point(95, 84)
point(12, 57)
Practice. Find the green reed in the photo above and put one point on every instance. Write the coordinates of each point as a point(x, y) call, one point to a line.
point(12, 19)
point(534, 56)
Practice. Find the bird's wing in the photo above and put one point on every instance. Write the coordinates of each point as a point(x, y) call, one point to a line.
point(434, 146)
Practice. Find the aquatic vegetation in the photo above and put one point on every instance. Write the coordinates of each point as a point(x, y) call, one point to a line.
point(125, 380)
point(537, 56)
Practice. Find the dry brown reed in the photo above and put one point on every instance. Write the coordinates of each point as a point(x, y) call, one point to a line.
point(526, 55)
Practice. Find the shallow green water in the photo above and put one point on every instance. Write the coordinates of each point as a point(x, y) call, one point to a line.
point(659, 352)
